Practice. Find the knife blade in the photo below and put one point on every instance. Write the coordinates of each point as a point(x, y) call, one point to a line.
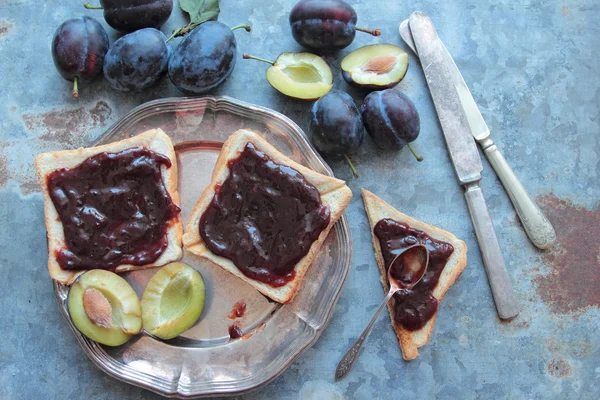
point(536, 225)
point(479, 128)
point(461, 146)
point(464, 155)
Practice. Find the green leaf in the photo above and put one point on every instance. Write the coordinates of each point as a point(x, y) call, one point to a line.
point(200, 10)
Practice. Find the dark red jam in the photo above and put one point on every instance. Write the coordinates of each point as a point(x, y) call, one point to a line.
point(264, 218)
point(414, 307)
point(235, 331)
point(238, 311)
point(114, 209)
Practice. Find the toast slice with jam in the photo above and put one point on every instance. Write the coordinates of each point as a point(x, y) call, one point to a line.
point(131, 176)
point(264, 217)
point(413, 314)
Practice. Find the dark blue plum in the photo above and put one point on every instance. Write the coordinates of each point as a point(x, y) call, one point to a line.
point(325, 24)
point(335, 124)
point(204, 58)
point(391, 119)
point(137, 60)
point(131, 15)
point(78, 49)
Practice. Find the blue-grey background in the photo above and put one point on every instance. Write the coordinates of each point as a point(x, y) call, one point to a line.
point(533, 67)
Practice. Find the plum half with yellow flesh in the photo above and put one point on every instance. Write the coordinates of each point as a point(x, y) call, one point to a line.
point(104, 307)
point(304, 76)
point(375, 67)
point(173, 300)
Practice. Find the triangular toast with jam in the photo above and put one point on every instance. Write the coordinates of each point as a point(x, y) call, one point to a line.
point(413, 312)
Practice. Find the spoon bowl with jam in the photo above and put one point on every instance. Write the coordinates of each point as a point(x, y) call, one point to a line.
point(403, 273)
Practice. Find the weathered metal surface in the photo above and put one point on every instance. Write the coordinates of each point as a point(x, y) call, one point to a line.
point(533, 68)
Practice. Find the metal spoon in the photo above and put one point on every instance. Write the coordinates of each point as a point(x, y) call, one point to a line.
point(404, 272)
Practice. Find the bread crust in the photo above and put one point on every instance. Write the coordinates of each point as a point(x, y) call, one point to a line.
point(377, 209)
point(155, 140)
point(333, 191)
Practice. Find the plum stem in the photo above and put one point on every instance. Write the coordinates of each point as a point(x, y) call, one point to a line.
point(75, 91)
point(181, 31)
point(354, 171)
point(249, 57)
point(374, 32)
point(91, 7)
point(248, 28)
point(417, 156)
point(184, 30)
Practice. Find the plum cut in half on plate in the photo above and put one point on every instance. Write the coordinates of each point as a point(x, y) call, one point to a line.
point(104, 307)
point(304, 76)
point(375, 67)
point(173, 300)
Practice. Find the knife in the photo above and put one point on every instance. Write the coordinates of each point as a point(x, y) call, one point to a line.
point(536, 225)
point(464, 156)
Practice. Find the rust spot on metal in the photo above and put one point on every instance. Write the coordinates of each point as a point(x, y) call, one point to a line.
point(68, 127)
point(559, 368)
point(574, 278)
point(520, 323)
point(580, 349)
point(29, 185)
point(26, 179)
point(552, 343)
point(3, 171)
point(100, 113)
point(58, 126)
point(5, 27)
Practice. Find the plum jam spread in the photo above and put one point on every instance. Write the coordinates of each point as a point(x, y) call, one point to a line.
point(235, 331)
point(238, 310)
point(414, 307)
point(264, 217)
point(114, 209)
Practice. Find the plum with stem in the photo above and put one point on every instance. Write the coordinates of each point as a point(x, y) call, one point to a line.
point(325, 24)
point(335, 126)
point(392, 120)
point(204, 58)
point(78, 49)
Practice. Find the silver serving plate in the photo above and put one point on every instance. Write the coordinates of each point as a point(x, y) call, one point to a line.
point(204, 361)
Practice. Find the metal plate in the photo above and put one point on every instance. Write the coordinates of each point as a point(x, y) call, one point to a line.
point(203, 361)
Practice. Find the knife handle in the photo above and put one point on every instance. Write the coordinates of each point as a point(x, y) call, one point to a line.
point(504, 297)
point(536, 225)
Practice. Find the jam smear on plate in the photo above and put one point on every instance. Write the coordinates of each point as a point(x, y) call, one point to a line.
point(235, 331)
point(238, 310)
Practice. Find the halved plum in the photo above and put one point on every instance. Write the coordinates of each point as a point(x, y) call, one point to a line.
point(377, 66)
point(104, 307)
point(304, 76)
point(172, 300)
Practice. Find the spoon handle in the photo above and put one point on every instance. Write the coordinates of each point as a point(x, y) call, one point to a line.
point(346, 363)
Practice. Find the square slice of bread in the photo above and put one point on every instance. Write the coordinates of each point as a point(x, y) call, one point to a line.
point(155, 140)
point(334, 193)
point(377, 210)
